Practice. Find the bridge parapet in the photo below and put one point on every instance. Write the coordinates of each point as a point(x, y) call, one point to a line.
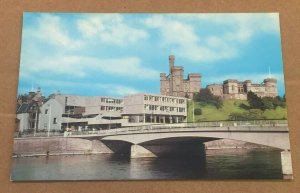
point(241, 126)
point(251, 125)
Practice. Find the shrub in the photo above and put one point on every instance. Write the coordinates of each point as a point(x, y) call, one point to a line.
point(198, 111)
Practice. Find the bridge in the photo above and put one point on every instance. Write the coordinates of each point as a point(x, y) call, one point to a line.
point(265, 133)
point(188, 138)
point(154, 140)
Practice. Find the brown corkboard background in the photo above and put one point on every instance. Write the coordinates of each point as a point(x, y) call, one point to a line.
point(10, 42)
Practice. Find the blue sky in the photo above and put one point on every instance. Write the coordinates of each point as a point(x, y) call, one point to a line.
point(121, 54)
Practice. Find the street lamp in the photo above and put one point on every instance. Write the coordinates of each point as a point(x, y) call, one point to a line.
point(49, 122)
point(110, 100)
point(193, 111)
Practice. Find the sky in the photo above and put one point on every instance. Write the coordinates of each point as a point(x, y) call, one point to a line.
point(123, 54)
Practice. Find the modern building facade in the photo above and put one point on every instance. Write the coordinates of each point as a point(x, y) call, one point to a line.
point(174, 83)
point(69, 112)
point(234, 89)
point(140, 109)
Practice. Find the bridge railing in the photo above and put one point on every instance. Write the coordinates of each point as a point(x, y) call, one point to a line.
point(220, 125)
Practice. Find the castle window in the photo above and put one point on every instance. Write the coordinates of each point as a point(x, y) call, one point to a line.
point(232, 88)
point(46, 111)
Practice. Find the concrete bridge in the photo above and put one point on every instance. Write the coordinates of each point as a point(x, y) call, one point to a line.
point(153, 140)
point(272, 135)
point(184, 139)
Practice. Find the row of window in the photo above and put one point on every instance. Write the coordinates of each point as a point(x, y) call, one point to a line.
point(163, 99)
point(110, 108)
point(163, 108)
point(111, 100)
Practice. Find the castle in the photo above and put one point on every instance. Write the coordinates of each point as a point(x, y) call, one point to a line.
point(174, 84)
point(234, 89)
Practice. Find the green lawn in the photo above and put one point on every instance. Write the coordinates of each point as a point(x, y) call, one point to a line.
point(211, 113)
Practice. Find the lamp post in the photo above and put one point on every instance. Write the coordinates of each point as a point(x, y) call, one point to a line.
point(109, 101)
point(49, 122)
point(193, 111)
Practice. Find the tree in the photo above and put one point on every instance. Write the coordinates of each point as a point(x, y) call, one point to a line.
point(268, 103)
point(255, 102)
point(206, 96)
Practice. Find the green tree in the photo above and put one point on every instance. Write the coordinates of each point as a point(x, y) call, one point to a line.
point(268, 103)
point(207, 97)
point(255, 102)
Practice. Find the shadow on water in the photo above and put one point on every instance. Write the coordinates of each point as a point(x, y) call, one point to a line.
point(170, 167)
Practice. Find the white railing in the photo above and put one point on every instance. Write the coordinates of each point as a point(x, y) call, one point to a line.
point(222, 126)
point(253, 125)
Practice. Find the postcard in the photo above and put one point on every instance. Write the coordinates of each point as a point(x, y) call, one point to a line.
point(151, 97)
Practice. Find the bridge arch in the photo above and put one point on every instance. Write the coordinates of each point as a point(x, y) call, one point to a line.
point(278, 140)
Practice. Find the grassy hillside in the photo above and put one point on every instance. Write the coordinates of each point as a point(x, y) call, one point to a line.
point(211, 113)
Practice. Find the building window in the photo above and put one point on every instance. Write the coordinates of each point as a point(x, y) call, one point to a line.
point(54, 121)
point(146, 107)
point(46, 111)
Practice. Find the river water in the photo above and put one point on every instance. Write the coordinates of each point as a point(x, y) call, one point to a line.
point(218, 164)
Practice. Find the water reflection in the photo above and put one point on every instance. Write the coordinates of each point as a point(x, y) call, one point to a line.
point(218, 164)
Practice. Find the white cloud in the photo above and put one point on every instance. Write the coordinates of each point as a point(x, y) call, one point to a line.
point(111, 89)
point(82, 66)
point(110, 28)
point(183, 39)
point(178, 32)
point(50, 29)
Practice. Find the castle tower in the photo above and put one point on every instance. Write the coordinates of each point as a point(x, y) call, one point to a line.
point(174, 84)
point(271, 87)
point(171, 66)
point(247, 85)
point(164, 84)
point(230, 86)
point(171, 62)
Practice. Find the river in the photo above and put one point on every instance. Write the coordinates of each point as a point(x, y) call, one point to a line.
point(218, 164)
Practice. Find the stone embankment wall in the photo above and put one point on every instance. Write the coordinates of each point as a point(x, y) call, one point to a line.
point(58, 145)
point(65, 145)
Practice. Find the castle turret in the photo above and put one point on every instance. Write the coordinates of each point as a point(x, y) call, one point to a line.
point(171, 62)
point(271, 87)
point(230, 86)
point(174, 84)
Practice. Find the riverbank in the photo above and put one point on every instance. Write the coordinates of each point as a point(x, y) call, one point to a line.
point(57, 146)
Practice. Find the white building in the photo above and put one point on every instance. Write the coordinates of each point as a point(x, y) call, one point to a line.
point(80, 113)
point(142, 109)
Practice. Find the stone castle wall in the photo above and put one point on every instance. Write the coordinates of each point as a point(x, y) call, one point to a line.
point(234, 89)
